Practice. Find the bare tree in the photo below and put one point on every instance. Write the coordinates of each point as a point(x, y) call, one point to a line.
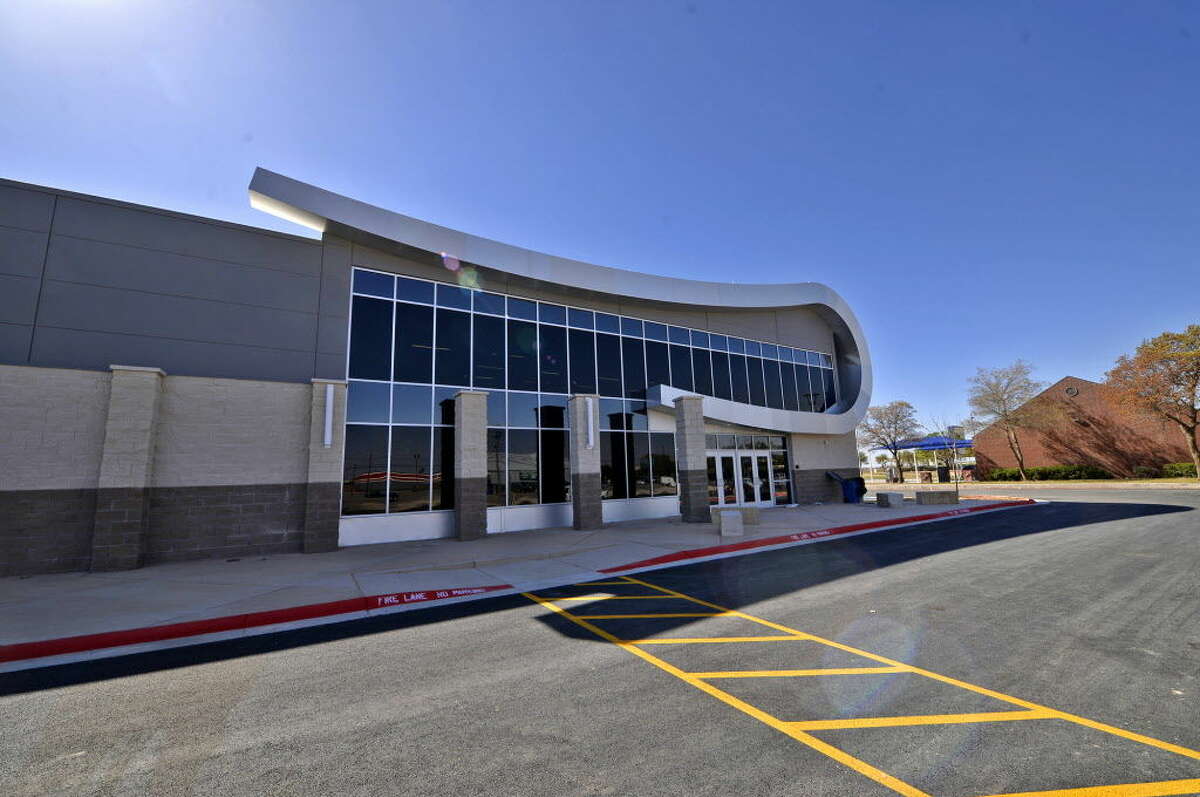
point(1163, 376)
point(998, 395)
point(889, 425)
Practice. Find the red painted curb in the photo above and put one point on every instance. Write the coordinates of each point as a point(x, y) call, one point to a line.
point(234, 622)
point(697, 553)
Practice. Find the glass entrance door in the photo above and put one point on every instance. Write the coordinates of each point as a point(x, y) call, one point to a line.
point(739, 479)
point(723, 480)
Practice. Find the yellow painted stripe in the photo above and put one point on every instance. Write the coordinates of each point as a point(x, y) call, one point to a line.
point(613, 598)
point(602, 584)
point(705, 639)
point(1160, 788)
point(645, 616)
point(920, 719)
point(1062, 715)
point(863, 768)
point(797, 673)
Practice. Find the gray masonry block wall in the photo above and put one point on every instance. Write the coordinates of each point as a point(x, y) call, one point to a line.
point(584, 414)
point(326, 441)
point(690, 459)
point(470, 464)
point(812, 456)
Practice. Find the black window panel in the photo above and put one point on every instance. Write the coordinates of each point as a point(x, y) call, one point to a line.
point(631, 326)
point(680, 335)
point(681, 367)
point(581, 319)
point(368, 402)
point(523, 409)
point(414, 344)
point(737, 375)
point(613, 478)
point(638, 458)
point(414, 290)
point(581, 346)
point(497, 476)
point(552, 354)
point(770, 351)
point(774, 388)
point(753, 348)
point(489, 352)
point(608, 365)
point(522, 355)
point(613, 414)
point(555, 472)
point(702, 370)
point(522, 466)
point(634, 360)
point(737, 345)
point(720, 366)
point(700, 339)
point(443, 405)
point(658, 364)
point(442, 473)
point(408, 485)
point(662, 463)
point(496, 409)
point(371, 339)
point(655, 331)
point(452, 365)
point(552, 313)
point(791, 399)
point(719, 342)
point(374, 283)
point(830, 391)
point(607, 323)
point(636, 416)
point(410, 404)
point(754, 370)
point(453, 296)
point(808, 397)
point(522, 308)
point(552, 412)
point(364, 470)
point(489, 303)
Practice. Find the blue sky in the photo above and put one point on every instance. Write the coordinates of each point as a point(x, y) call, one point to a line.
point(982, 181)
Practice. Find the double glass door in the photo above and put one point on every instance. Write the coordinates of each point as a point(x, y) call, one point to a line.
point(737, 478)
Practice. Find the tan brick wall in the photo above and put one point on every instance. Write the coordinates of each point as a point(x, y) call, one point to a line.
point(53, 429)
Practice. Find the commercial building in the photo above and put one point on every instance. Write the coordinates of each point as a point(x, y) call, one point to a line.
point(176, 387)
point(1079, 422)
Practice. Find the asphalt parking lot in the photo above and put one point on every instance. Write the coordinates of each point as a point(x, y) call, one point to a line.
point(879, 664)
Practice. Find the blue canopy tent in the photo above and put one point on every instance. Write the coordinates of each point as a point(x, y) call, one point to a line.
point(932, 443)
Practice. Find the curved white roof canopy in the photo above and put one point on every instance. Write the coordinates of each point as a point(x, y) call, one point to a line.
point(323, 211)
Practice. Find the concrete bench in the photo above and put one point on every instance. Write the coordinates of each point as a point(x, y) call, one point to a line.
point(888, 500)
point(925, 497)
point(730, 522)
point(749, 515)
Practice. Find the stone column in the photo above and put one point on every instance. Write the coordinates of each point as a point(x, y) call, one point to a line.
point(689, 453)
point(470, 464)
point(326, 439)
point(126, 468)
point(584, 411)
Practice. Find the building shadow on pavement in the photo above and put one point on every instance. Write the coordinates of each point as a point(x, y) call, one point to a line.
point(733, 583)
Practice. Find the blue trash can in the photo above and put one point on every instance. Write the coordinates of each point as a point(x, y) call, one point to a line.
point(853, 490)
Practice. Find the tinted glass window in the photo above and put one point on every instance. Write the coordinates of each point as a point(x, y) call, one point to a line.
point(497, 401)
point(496, 471)
point(414, 344)
point(552, 412)
point(662, 463)
point(636, 416)
point(443, 405)
point(522, 355)
point(613, 479)
point(453, 296)
point(442, 472)
point(754, 370)
point(790, 398)
point(631, 326)
point(522, 308)
point(552, 313)
point(364, 480)
point(452, 366)
point(370, 339)
point(719, 342)
point(679, 335)
point(607, 323)
point(720, 366)
point(489, 303)
point(411, 403)
point(808, 381)
point(737, 345)
point(522, 466)
point(635, 367)
point(612, 414)
point(374, 284)
point(555, 469)
point(552, 354)
point(753, 348)
point(656, 331)
point(408, 487)
point(523, 409)
point(638, 456)
point(658, 364)
point(681, 368)
point(700, 339)
point(582, 347)
point(583, 319)
point(830, 392)
point(608, 365)
point(414, 290)
point(737, 375)
point(489, 352)
point(770, 351)
point(367, 402)
point(774, 388)
point(702, 371)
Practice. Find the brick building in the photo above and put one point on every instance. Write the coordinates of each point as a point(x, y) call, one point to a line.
point(1077, 422)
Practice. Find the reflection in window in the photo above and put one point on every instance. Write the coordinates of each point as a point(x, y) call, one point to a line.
point(720, 365)
point(638, 457)
point(367, 402)
point(613, 479)
point(658, 364)
point(410, 404)
point(582, 348)
point(790, 399)
point(489, 352)
point(774, 387)
point(408, 485)
point(496, 456)
point(552, 353)
point(702, 371)
point(635, 367)
point(830, 392)
point(608, 365)
point(523, 409)
point(681, 368)
point(364, 480)
point(522, 467)
point(370, 339)
point(552, 412)
point(758, 392)
point(442, 473)
point(737, 371)
point(662, 463)
point(414, 344)
point(522, 356)
point(555, 467)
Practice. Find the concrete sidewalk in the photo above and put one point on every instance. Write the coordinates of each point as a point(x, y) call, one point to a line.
point(49, 608)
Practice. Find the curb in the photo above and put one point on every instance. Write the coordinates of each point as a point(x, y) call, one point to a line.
point(66, 650)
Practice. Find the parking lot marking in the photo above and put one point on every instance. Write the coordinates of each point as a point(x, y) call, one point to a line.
point(602, 584)
point(1163, 788)
point(797, 673)
point(919, 719)
point(647, 616)
point(614, 598)
point(703, 640)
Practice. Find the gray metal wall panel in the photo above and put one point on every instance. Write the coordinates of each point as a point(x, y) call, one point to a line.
point(170, 233)
point(14, 342)
point(22, 252)
point(331, 366)
point(134, 268)
point(24, 208)
point(332, 332)
point(18, 299)
point(85, 307)
point(69, 348)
